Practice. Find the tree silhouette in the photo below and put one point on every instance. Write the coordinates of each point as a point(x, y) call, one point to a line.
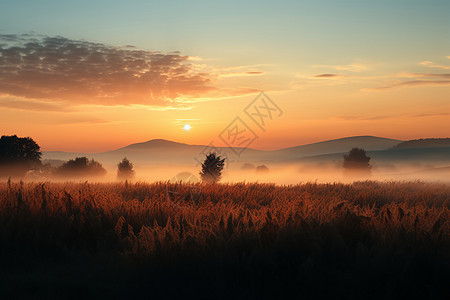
point(248, 166)
point(81, 166)
point(18, 155)
point(262, 169)
point(357, 160)
point(212, 168)
point(125, 169)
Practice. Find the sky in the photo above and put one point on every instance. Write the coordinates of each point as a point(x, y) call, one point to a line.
point(92, 76)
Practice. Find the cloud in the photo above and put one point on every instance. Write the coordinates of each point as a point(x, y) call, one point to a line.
point(56, 69)
point(431, 64)
point(423, 75)
point(25, 104)
point(245, 67)
point(360, 118)
point(420, 79)
point(192, 122)
point(353, 67)
point(412, 83)
point(238, 71)
point(431, 115)
point(430, 75)
point(327, 75)
point(224, 93)
point(394, 116)
point(74, 119)
point(239, 74)
point(426, 63)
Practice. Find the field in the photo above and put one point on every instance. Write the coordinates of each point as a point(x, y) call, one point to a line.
point(365, 240)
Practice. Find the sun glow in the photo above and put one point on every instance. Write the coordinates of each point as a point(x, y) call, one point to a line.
point(187, 127)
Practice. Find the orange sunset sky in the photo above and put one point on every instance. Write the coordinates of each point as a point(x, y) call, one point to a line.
point(94, 77)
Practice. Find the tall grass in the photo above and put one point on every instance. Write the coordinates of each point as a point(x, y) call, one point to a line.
point(367, 238)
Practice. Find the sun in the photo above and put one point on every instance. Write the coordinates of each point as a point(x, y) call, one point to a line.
point(187, 127)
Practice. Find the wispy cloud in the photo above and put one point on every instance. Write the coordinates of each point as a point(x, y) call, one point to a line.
point(38, 70)
point(431, 75)
point(423, 75)
point(431, 115)
point(25, 104)
point(362, 118)
point(238, 71)
point(393, 116)
point(327, 75)
point(75, 119)
point(413, 79)
point(192, 122)
point(353, 67)
point(412, 83)
point(431, 64)
point(239, 74)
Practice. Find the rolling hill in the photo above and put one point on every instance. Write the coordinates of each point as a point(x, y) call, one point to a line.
point(424, 143)
point(159, 151)
point(369, 143)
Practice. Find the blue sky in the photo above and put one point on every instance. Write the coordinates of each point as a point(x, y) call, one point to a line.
point(280, 31)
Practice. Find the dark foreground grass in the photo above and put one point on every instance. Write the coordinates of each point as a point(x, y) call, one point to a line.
point(367, 240)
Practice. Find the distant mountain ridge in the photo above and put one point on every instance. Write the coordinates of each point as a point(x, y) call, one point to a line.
point(165, 151)
point(367, 142)
point(152, 143)
point(424, 143)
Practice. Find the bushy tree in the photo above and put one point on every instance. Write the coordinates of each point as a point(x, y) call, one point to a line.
point(212, 168)
point(248, 166)
point(18, 155)
point(125, 169)
point(357, 160)
point(81, 166)
point(262, 169)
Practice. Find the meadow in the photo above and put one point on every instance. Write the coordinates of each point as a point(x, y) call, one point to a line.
point(364, 240)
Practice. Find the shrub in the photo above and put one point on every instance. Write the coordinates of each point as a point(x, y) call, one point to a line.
point(125, 169)
point(357, 159)
point(18, 155)
point(212, 168)
point(81, 166)
point(262, 169)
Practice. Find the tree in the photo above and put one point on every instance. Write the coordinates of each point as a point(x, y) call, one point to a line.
point(212, 168)
point(262, 169)
point(357, 160)
point(125, 169)
point(18, 155)
point(81, 166)
point(248, 166)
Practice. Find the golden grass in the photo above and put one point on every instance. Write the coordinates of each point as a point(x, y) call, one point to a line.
point(335, 226)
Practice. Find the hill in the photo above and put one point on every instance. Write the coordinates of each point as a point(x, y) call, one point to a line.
point(424, 143)
point(439, 156)
point(160, 151)
point(369, 143)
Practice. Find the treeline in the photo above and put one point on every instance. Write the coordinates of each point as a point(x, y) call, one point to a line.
point(21, 157)
point(18, 155)
point(81, 166)
point(424, 143)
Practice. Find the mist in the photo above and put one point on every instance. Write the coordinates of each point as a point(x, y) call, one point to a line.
point(277, 173)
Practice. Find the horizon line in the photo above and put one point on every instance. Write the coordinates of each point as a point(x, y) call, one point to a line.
point(205, 145)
